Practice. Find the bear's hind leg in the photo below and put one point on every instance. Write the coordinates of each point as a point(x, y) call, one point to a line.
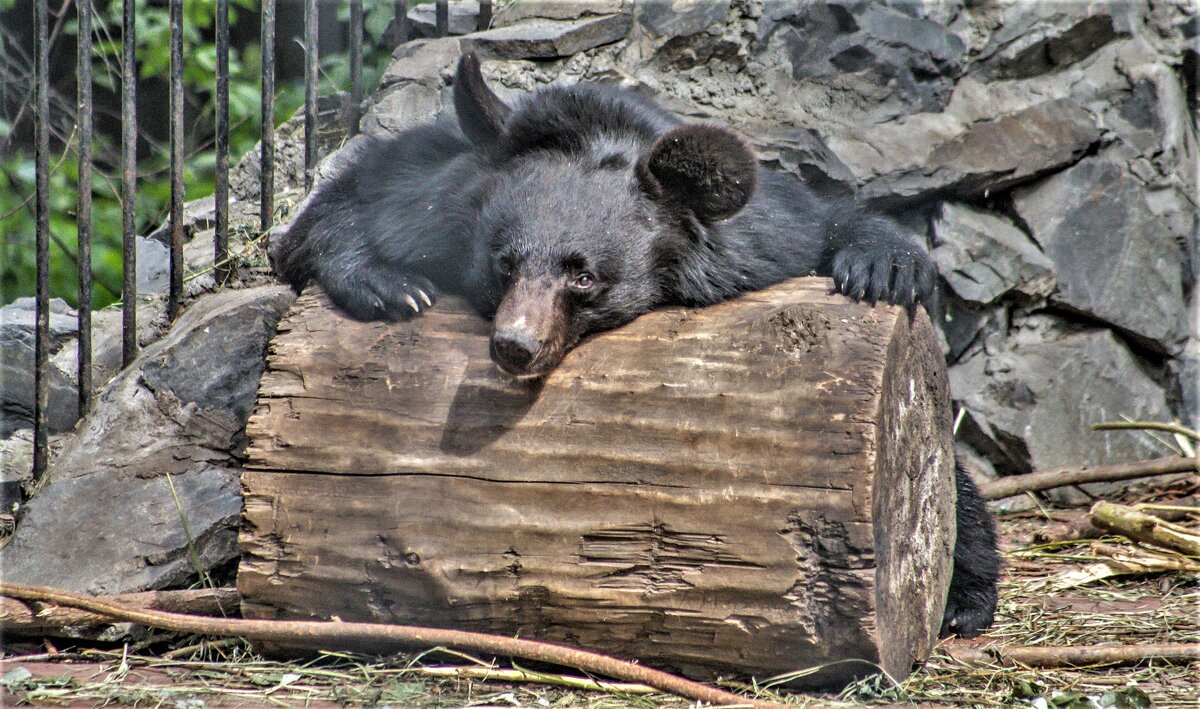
point(971, 605)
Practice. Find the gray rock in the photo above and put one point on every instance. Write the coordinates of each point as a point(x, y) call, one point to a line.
point(199, 214)
point(96, 535)
point(18, 322)
point(402, 107)
point(546, 39)
point(1031, 408)
point(964, 327)
point(513, 12)
point(800, 152)
point(16, 467)
point(1032, 40)
point(415, 87)
point(911, 59)
point(937, 153)
point(179, 410)
point(983, 256)
point(153, 266)
point(428, 62)
point(678, 18)
point(17, 390)
point(1116, 261)
point(462, 18)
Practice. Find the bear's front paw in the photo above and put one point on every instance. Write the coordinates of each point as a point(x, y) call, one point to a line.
point(382, 295)
point(901, 276)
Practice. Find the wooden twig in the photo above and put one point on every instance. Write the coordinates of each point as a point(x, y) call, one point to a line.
point(1147, 426)
point(1074, 656)
point(1078, 525)
point(335, 635)
point(22, 619)
point(1060, 477)
point(1144, 528)
point(498, 674)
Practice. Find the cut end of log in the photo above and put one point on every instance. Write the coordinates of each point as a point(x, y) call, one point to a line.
point(749, 489)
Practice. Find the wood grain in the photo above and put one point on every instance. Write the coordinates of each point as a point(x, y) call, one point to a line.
point(747, 489)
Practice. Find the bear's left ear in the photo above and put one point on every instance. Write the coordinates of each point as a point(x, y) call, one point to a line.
point(708, 169)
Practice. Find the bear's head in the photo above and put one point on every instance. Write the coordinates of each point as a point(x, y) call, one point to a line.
point(593, 195)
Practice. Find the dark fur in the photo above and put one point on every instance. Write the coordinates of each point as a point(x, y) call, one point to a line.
point(581, 208)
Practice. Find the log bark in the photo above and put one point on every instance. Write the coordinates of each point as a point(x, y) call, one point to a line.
point(747, 489)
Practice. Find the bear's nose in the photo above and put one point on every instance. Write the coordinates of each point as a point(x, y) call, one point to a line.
point(514, 349)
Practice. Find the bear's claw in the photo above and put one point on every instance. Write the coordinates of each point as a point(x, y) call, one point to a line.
point(375, 293)
point(900, 277)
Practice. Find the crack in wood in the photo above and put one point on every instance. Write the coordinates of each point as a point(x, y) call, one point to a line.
point(654, 558)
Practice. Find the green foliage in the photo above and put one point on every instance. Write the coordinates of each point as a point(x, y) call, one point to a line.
point(17, 227)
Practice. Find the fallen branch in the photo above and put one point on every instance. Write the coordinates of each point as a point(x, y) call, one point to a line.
point(1147, 426)
point(19, 618)
point(1061, 477)
point(335, 635)
point(1074, 656)
point(497, 674)
point(1144, 528)
point(1078, 525)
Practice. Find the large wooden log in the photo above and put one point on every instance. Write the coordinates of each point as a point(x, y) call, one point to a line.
point(748, 489)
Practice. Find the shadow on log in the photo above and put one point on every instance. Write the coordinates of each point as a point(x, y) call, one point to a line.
point(748, 489)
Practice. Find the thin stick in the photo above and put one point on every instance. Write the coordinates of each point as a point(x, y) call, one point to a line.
point(1147, 425)
point(1061, 477)
point(1144, 528)
point(20, 619)
point(335, 635)
point(1075, 656)
point(497, 674)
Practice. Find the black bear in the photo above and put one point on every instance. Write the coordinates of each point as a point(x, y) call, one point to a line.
point(581, 208)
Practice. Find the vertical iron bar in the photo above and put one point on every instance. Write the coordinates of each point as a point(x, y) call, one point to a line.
point(83, 97)
point(485, 15)
point(221, 194)
point(310, 92)
point(266, 188)
point(401, 22)
point(356, 62)
point(41, 356)
point(128, 183)
point(175, 22)
point(442, 26)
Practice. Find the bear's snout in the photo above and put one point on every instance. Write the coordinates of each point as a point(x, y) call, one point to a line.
point(529, 336)
point(514, 350)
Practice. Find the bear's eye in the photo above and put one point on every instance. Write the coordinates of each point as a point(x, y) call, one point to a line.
point(583, 281)
point(506, 265)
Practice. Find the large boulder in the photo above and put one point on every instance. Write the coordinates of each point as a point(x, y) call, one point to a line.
point(1031, 407)
point(17, 359)
point(150, 479)
point(1116, 261)
point(984, 256)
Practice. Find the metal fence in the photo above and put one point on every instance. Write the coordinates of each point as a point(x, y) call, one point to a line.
point(221, 259)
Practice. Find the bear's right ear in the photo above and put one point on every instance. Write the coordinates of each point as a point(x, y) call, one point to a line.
point(481, 113)
point(708, 169)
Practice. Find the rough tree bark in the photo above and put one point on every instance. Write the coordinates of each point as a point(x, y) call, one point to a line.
point(748, 489)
